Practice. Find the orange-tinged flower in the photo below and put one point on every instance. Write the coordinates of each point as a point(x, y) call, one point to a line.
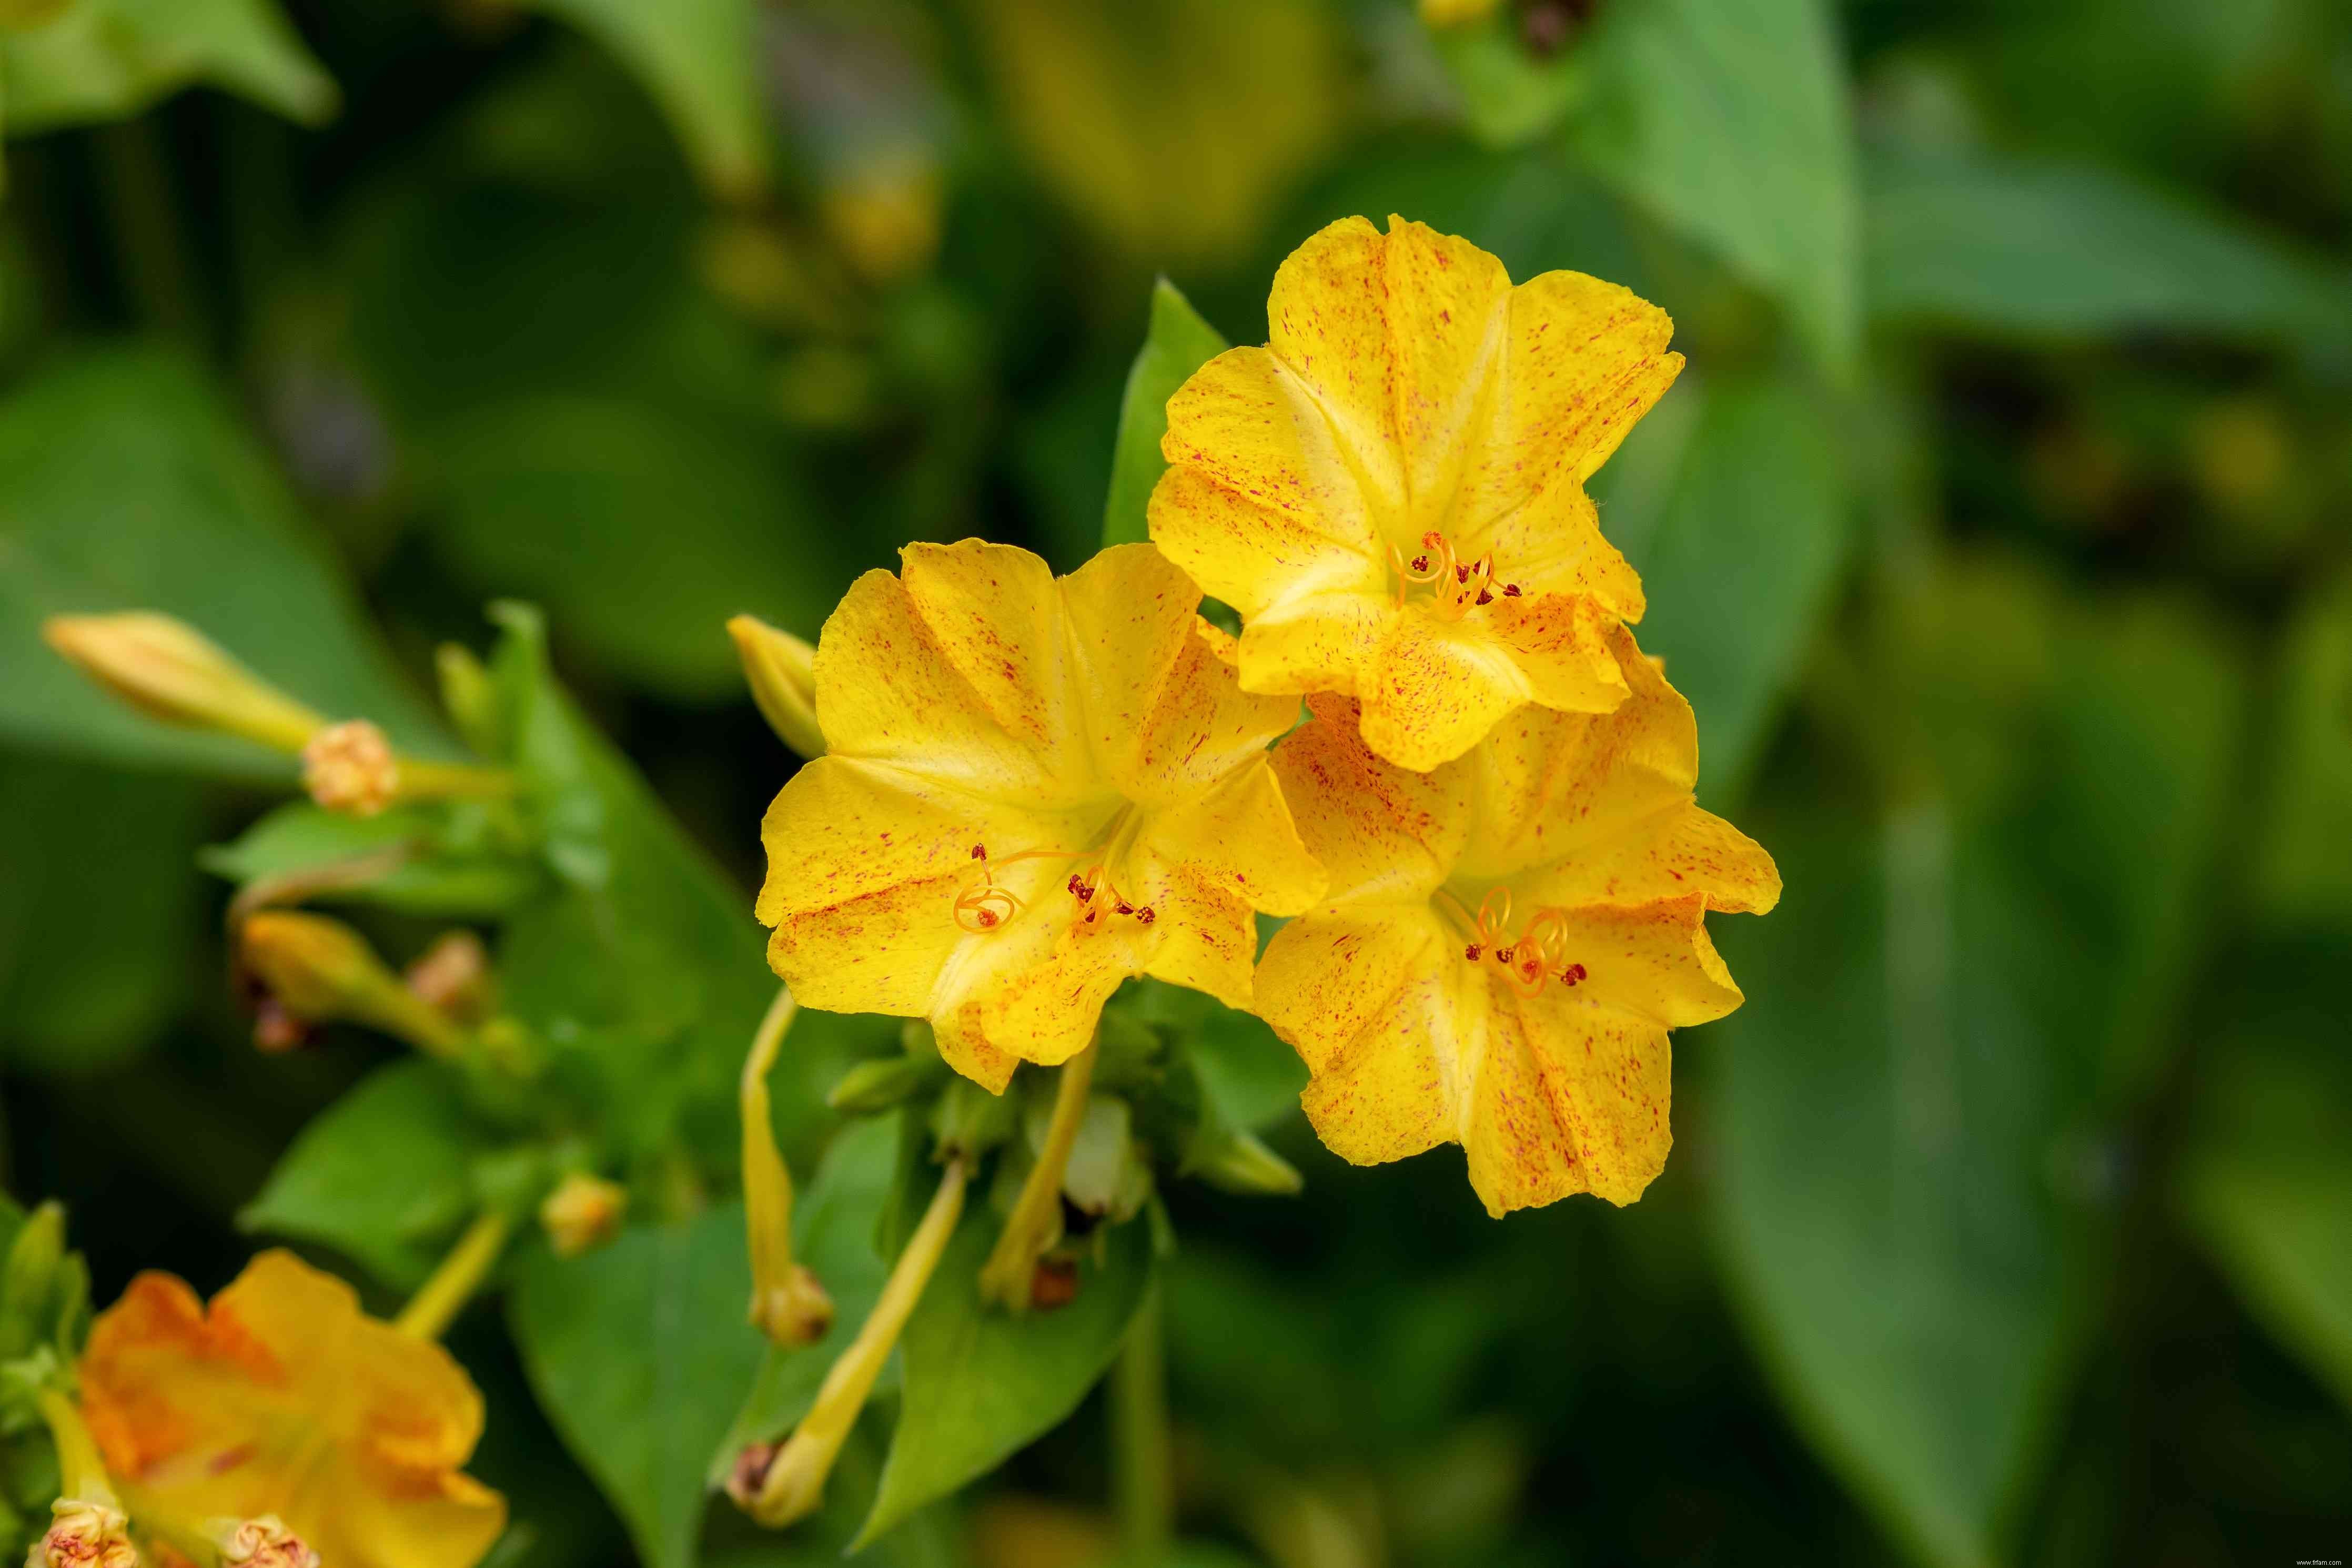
point(1392, 491)
point(1032, 789)
point(284, 1399)
point(1506, 941)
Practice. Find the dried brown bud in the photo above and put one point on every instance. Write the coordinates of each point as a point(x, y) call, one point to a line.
point(350, 768)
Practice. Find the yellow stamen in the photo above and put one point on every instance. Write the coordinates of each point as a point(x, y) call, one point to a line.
point(1036, 1222)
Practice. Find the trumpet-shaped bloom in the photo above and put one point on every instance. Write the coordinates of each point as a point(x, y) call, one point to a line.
point(1507, 939)
point(1392, 491)
point(284, 1398)
point(1032, 789)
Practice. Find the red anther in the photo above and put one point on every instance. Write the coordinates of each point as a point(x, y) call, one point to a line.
point(980, 852)
point(1484, 597)
point(1125, 907)
point(1146, 915)
point(1472, 952)
point(1078, 889)
point(987, 918)
point(1510, 591)
point(1420, 563)
point(1572, 974)
point(1461, 574)
point(1503, 955)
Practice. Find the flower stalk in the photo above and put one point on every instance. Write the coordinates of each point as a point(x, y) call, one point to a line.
point(788, 1302)
point(321, 971)
point(1036, 1223)
point(780, 1487)
point(440, 1298)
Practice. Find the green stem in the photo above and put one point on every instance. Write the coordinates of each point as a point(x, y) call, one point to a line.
point(1142, 1458)
point(434, 1307)
point(82, 1470)
point(149, 244)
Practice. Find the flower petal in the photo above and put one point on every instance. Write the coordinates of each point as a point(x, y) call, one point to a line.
point(1570, 1098)
point(1377, 1001)
point(1652, 961)
point(1240, 837)
point(1316, 642)
point(1436, 687)
point(1381, 832)
point(1680, 851)
point(995, 614)
point(1034, 989)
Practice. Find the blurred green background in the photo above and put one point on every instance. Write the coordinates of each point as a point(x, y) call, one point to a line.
point(1998, 532)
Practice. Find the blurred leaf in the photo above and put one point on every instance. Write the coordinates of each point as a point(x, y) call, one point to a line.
point(2266, 1183)
point(1171, 125)
point(1738, 548)
point(1509, 93)
point(1250, 1077)
point(1910, 1096)
point(459, 867)
point(833, 1224)
point(981, 1383)
point(644, 533)
point(109, 59)
point(640, 1352)
point(699, 59)
point(2301, 869)
point(2068, 250)
point(383, 1175)
point(98, 909)
point(1728, 119)
point(123, 484)
point(1177, 343)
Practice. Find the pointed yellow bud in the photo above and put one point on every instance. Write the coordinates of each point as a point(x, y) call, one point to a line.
point(782, 670)
point(321, 971)
point(84, 1535)
point(263, 1542)
point(168, 669)
point(582, 1213)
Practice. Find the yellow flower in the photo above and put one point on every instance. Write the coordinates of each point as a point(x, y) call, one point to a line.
point(284, 1399)
point(1392, 491)
point(1507, 940)
point(1032, 789)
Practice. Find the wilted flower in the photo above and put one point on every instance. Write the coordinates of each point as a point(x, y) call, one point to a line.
point(1032, 789)
point(1507, 940)
point(1392, 491)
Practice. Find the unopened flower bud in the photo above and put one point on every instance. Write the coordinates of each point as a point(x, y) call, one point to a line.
point(582, 1213)
point(263, 1542)
point(168, 669)
point(795, 1310)
point(468, 696)
point(873, 1087)
point(350, 768)
point(84, 1535)
point(453, 977)
point(782, 670)
point(321, 971)
point(1239, 1163)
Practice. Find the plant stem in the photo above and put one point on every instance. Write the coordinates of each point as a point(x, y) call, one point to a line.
point(435, 1306)
point(1036, 1219)
point(1142, 1460)
point(82, 1470)
point(788, 1305)
point(149, 246)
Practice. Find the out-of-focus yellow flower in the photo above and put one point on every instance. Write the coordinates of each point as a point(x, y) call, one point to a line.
point(1032, 790)
point(1392, 491)
point(1456, 13)
point(886, 217)
point(1507, 940)
point(284, 1399)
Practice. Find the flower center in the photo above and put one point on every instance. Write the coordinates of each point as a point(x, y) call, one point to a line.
point(982, 903)
point(1535, 958)
point(1455, 588)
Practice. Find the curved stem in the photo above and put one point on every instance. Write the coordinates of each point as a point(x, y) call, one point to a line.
point(788, 1305)
point(1036, 1219)
point(1142, 1463)
point(435, 1306)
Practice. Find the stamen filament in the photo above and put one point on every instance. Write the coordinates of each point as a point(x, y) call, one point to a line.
point(1036, 1222)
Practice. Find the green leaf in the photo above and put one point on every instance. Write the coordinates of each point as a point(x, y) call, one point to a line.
point(459, 866)
point(109, 59)
point(98, 909)
point(643, 532)
point(833, 1224)
point(640, 1353)
point(1250, 1078)
point(981, 1383)
point(2267, 1183)
point(2301, 871)
point(1728, 120)
point(124, 484)
point(1912, 1095)
point(2066, 250)
point(1177, 343)
point(1738, 542)
point(1509, 94)
point(699, 59)
point(383, 1175)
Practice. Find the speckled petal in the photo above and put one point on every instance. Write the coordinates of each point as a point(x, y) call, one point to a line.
point(1436, 687)
point(1652, 961)
point(1570, 1098)
point(995, 614)
point(1314, 643)
point(1381, 833)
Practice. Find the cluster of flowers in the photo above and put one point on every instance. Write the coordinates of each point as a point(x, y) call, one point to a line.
point(1484, 834)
